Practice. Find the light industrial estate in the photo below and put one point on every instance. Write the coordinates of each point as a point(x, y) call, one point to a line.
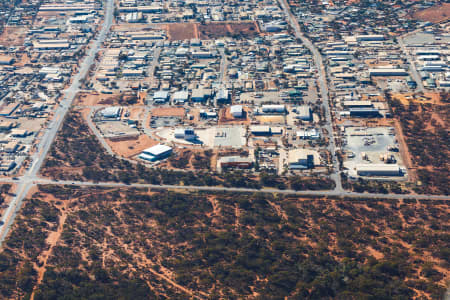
point(278, 92)
point(224, 149)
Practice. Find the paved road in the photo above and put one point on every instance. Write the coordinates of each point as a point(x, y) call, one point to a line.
point(37, 159)
point(323, 88)
point(38, 180)
point(240, 190)
point(97, 134)
point(222, 69)
point(223, 66)
point(155, 61)
point(414, 72)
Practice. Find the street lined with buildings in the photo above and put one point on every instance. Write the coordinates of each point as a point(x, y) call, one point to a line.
point(25, 182)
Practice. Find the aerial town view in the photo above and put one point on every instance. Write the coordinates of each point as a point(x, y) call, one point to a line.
point(224, 149)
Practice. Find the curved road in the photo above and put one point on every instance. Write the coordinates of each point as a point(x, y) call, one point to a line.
point(26, 182)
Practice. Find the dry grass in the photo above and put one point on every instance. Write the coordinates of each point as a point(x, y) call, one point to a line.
point(435, 14)
point(13, 36)
point(219, 30)
point(129, 147)
point(168, 112)
point(182, 31)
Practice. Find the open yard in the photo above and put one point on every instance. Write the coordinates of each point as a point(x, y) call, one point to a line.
point(436, 14)
point(13, 36)
point(425, 129)
point(182, 31)
point(168, 112)
point(213, 31)
point(131, 146)
point(93, 99)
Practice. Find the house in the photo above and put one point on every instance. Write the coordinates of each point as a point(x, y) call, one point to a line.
point(308, 134)
point(272, 108)
point(6, 60)
point(223, 96)
point(7, 165)
point(200, 95)
point(11, 147)
point(387, 72)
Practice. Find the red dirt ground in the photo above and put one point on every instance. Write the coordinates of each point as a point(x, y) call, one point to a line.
point(182, 31)
point(435, 14)
point(219, 30)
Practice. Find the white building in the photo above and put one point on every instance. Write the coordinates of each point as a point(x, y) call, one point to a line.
point(308, 134)
point(387, 72)
point(161, 96)
point(181, 96)
point(237, 111)
point(111, 112)
point(185, 134)
point(378, 170)
point(156, 153)
point(272, 108)
point(299, 159)
point(304, 113)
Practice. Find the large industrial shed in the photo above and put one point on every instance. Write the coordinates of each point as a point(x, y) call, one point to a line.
point(113, 112)
point(378, 170)
point(181, 97)
point(387, 72)
point(273, 109)
point(300, 159)
point(237, 111)
point(161, 97)
point(155, 153)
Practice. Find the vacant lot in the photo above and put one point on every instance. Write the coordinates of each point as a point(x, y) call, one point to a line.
point(182, 31)
point(237, 30)
point(93, 99)
point(168, 112)
point(436, 14)
point(13, 36)
point(211, 31)
point(131, 146)
point(5, 196)
point(425, 129)
point(70, 242)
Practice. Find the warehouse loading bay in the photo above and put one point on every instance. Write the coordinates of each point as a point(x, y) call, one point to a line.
point(376, 150)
